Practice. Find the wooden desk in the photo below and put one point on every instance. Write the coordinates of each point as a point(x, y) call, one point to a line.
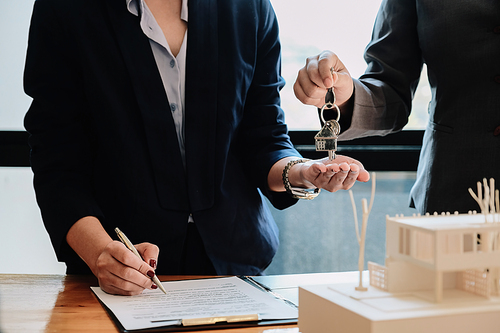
point(65, 303)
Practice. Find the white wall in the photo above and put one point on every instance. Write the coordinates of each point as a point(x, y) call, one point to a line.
point(24, 244)
point(25, 247)
point(14, 24)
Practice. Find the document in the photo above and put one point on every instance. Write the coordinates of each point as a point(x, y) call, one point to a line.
point(197, 302)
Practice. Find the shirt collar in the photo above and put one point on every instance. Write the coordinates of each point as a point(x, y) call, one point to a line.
point(134, 5)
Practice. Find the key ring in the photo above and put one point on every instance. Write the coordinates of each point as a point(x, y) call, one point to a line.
point(329, 106)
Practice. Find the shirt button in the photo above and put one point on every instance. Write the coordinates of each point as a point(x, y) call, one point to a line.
point(173, 107)
point(496, 29)
point(172, 63)
point(496, 132)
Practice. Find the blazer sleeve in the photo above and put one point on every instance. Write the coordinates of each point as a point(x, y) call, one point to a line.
point(264, 132)
point(60, 145)
point(383, 95)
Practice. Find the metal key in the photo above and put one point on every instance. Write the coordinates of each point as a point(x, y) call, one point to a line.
point(326, 138)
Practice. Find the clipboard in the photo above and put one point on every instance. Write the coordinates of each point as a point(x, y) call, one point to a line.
point(218, 321)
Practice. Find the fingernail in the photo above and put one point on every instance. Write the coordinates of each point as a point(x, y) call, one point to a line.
point(152, 263)
point(154, 286)
point(151, 274)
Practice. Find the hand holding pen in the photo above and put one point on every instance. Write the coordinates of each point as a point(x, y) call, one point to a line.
point(132, 248)
point(117, 269)
point(120, 272)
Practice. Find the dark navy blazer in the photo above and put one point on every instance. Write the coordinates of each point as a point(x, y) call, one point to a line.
point(104, 143)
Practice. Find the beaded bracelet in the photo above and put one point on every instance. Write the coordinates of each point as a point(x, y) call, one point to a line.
point(297, 192)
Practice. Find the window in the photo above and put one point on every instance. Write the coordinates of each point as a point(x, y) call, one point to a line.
point(424, 247)
point(404, 241)
point(469, 242)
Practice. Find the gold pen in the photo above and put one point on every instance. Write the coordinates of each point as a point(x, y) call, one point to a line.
point(132, 248)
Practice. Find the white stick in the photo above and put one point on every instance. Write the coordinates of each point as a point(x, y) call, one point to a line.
point(497, 199)
point(480, 192)
point(492, 196)
point(486, 199)
point(353, 204)
point(372, 195)
point(477, 198)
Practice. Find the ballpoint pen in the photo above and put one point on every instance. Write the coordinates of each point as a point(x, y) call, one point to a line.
point(132, 248)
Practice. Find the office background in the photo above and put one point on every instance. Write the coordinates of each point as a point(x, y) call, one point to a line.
point(316, 236)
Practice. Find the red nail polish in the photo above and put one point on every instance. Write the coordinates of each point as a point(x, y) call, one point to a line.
point(152, 263)
point(154, 286)
point(151, 274)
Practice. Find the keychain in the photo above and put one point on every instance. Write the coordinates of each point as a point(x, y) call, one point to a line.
point(326, 138)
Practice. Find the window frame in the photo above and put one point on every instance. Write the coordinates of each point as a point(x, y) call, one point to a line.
point(394, 152)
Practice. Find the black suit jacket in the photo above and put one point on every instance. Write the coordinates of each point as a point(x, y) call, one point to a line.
point(104, 142)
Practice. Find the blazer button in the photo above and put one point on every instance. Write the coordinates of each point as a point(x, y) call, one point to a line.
point(496, 132)
point(497, 78)
point(496, 29)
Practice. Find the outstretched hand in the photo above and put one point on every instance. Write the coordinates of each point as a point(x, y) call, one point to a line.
point(338, 174)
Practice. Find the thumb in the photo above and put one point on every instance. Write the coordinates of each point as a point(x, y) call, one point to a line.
point(326, 61)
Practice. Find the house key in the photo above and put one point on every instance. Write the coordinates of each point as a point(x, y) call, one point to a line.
point(326, 139)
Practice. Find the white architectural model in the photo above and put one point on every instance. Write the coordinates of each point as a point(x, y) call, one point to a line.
point(441, 274)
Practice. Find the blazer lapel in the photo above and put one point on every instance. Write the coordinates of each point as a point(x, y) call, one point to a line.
point(154, 106)
point(201, 101)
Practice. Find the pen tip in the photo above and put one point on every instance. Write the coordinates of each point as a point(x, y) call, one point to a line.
point(117, 230)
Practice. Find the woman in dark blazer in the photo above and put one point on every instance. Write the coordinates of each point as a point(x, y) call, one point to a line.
point(105, 151)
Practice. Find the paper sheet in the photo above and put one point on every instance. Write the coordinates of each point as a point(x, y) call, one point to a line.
point(201, 298)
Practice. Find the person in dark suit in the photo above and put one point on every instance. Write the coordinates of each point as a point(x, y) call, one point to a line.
point(461, 144)
point(163, 120)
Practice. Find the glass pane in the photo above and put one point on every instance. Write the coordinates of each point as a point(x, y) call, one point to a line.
point(320, 236)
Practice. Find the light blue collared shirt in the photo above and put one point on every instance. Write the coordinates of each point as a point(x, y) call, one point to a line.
point(172, 69)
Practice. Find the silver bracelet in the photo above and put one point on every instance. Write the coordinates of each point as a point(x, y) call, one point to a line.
point(297, 192)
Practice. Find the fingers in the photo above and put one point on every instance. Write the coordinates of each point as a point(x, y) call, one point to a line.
point(363, 175)
point(318, 69)
point(119, 271)
point(316, 77)
point(343, 179)
point(149, 253)
point(307, 91)
point(339, 174)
